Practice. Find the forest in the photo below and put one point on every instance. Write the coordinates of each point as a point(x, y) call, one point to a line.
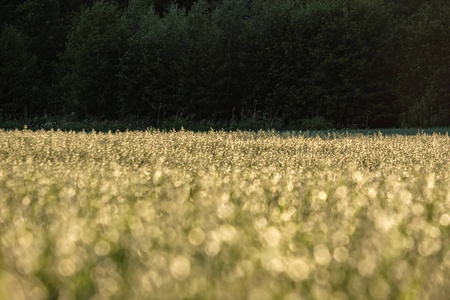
point(288, 63)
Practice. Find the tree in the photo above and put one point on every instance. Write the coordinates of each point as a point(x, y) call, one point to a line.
point(204, 73)
point(19, 74)
point(7, 11)
point(319, 59)
point(229, 19)
point(270, 70)
point(42, 24)
point(138, 67)
point(424, 67)
point(352, 75)
point(89, 66)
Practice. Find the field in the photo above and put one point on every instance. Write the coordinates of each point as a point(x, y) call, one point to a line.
point(223, 215)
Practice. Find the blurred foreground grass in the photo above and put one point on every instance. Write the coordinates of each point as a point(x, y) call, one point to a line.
point(217, 215)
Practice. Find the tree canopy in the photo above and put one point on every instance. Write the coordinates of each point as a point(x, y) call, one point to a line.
point(341, 64)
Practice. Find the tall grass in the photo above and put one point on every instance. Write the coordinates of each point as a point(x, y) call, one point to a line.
point(223, 215)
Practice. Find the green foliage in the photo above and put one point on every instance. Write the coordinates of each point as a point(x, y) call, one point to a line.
point(320, 59)
point(182, 64)
point(229, 20)
point(352, 51)
point(424, 114)
point(267, 72)
point(425, 66)
point(41, 22)
point(152, 68)
point(317, 123)
point(7, 9)
point(19, 74)
point(349, 63)
point(204, 79)
point(89, 66)
point(405, 8)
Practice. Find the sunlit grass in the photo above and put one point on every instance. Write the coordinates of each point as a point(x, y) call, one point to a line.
point(217, 215)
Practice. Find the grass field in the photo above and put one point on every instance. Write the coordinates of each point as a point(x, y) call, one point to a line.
point(217, 215)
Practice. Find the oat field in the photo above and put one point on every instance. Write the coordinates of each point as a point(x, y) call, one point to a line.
point(223, 215)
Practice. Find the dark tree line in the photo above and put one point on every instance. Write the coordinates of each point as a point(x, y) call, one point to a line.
point(338, 63)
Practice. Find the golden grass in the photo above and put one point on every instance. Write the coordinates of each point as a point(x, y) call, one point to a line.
point(182, 215)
